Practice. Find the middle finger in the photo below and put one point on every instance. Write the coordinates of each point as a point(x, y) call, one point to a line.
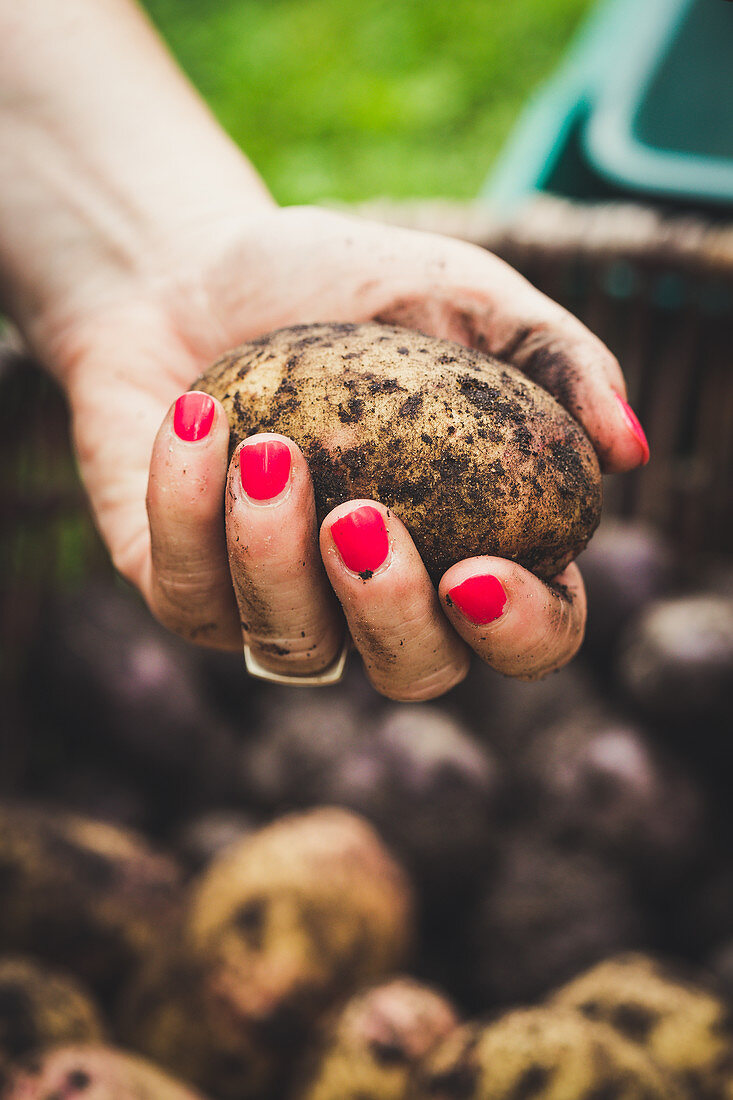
point(289, 617)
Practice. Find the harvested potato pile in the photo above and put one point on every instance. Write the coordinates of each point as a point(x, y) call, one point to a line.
point(473, 934)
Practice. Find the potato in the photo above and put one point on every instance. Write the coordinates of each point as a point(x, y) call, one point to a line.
point(170, 1015)
point(41, 1008)
point(545, 1054)
point(369, 1048)
point(279, 927)
point(312, 902)
point(430, 788)
point(685, 1028)
point(82, 894)
point(547, 910)
point(473, 456)
point(94, 1072)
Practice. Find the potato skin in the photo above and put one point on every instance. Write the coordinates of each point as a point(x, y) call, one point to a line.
point(473, 456)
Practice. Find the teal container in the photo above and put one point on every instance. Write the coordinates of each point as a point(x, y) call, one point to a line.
point(642, 108)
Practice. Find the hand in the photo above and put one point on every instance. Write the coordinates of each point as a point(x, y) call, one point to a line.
point(216, 284)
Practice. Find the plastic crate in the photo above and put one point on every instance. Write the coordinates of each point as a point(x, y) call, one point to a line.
point(639, 109)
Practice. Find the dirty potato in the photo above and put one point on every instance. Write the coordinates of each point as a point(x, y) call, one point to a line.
point(280, 926)
point(545, 1054)
point(369, 1047)
point(683, 1026)
point(82, 894)
point(41, 1008)
point(473, 456)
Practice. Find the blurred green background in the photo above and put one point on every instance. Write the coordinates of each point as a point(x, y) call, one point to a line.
point(377, 97)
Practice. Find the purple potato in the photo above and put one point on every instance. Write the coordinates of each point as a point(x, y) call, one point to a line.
point(204, 837)
point(599, 781)
point(676, 668)
point(430, 788)
point(301, 736)
point(506, 713)
point(118, 684)
point(545, 914)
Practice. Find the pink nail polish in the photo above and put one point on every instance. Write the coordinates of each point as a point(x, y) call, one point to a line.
point(361, 540)
point(481, 598)
point(264, 468)
point(193, 416)
point(636, 429)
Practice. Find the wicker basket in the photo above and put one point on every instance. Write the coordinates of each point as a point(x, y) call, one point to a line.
point(659, 292)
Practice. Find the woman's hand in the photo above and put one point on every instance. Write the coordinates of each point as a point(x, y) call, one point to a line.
point(136, 245)
point(222, 549)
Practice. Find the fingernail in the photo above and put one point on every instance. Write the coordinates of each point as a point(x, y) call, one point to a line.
point(264, 468)
point(481, 599)
point(193, 416)
point(361, 540)
point(636, 429)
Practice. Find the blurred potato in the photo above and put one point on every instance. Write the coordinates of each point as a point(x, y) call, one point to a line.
point(94, 1072)
point(82, 894)
point(279, 927)
point(41, 1007)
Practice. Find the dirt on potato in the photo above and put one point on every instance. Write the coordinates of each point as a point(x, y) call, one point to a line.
point(472, 456)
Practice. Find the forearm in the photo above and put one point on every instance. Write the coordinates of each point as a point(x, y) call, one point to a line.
point(105, 149)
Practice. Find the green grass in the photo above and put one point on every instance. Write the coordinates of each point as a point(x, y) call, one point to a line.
point(332, 99)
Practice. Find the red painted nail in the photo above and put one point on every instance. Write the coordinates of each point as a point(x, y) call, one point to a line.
point(193, 416)
point(481, 599)
point(361, 540)
point(264, 468)
point(633, 422)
